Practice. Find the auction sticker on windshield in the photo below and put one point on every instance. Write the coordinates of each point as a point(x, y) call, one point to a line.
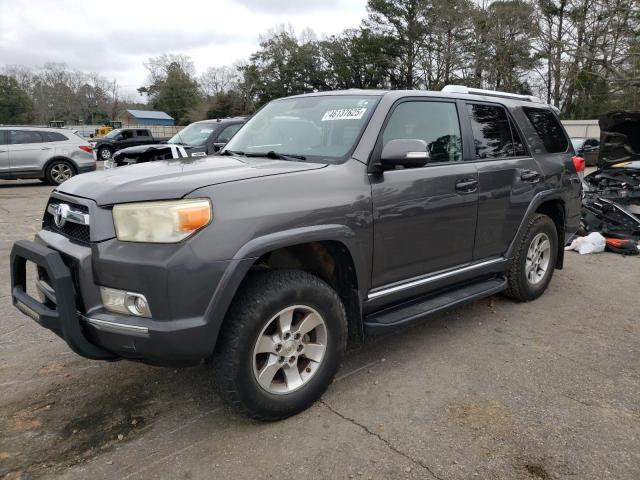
point(344, 114)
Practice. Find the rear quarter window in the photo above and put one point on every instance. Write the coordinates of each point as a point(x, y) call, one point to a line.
point(548, 127)
point(53, 137)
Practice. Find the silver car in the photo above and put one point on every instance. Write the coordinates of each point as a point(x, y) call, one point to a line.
point(50, 154)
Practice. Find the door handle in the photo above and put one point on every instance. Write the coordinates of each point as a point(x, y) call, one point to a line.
point(530, 176)
point(467, 185)
point(45, 148)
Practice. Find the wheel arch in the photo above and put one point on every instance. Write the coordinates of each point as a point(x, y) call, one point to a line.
point(57, 158)
point(327, 251)
point(552, 204)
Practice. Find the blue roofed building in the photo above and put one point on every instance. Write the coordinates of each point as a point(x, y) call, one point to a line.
point(148, 117)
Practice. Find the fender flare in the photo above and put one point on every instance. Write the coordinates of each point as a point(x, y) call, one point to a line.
point(246, 256)
point(538, 199)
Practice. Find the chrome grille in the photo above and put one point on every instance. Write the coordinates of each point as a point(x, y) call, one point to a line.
point(75, 225)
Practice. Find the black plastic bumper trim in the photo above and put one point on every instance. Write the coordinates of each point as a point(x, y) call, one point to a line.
point(64, 319)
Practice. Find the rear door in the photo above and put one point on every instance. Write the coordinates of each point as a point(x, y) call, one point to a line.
point(507, 176)
point(28, 151)
point(4, 153)
point(424, 220)
point(143, 137)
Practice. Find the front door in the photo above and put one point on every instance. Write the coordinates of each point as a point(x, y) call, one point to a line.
point(424, 217)
point(507, 176)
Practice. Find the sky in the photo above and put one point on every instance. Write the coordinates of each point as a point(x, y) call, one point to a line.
point(114, 37)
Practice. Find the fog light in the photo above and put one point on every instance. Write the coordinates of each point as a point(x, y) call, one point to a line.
point(126, 303)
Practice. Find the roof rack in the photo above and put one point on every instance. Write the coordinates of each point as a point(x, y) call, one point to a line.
point(490, 93)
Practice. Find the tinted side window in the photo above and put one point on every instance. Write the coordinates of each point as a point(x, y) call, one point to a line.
point(548, 128)
point(3, 137)
point(142, 133)
point(228, 132)
point(53, 137)
point(20, 137)
point(492, 134)
point(434, 122)
point(127, 134)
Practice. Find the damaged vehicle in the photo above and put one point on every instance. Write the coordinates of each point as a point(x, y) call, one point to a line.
point(611, 202)
point(198, 139)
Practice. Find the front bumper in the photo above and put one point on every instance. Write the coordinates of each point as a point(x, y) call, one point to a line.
point(63, 319)
point(71, 308)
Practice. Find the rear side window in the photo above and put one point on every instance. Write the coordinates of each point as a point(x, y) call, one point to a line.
point(53, 137)
point(494, 134)
point(3, 137)
point(21, 137)
point(548, 128)
point(142, 133)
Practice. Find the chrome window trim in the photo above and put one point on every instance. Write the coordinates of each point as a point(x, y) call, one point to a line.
point(415, 282)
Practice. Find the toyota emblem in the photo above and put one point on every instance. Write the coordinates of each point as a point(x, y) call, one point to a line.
point(60, 214)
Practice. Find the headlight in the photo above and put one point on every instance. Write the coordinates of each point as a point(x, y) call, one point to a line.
point(161, 222)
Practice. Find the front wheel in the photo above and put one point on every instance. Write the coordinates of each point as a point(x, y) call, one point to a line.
point(281, 344)
point(534, 261)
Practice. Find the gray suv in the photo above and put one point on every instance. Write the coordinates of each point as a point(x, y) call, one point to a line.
point(53, 155)
point(327, 217)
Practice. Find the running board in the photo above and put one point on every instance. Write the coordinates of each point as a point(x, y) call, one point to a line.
point(409, 312)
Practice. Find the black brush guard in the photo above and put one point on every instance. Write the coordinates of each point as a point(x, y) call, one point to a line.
point(64, 319)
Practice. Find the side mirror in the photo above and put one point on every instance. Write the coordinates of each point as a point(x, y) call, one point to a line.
point(406, 152)
point(119, 137)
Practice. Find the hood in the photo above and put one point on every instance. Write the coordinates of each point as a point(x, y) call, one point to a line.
point(150, 151)
point(619, 138)
point(169, 179)
point(142, 148)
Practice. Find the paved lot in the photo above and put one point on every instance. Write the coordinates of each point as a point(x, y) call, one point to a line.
point(494, 390)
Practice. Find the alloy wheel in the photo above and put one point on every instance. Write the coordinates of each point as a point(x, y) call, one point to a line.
point(290, 349)
point(538, 257)
point(61, 172)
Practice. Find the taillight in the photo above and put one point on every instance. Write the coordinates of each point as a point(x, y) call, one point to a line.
point(86, 148)
point(579, 163)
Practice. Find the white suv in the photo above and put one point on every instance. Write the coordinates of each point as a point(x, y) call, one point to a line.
point(50, 154)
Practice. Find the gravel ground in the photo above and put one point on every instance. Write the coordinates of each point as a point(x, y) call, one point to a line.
point(494, 390)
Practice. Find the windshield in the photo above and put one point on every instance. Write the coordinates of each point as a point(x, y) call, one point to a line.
point(195, 134)
point(113, 133)
point(320, 126)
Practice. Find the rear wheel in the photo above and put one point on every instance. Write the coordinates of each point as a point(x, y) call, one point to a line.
point(59, 171)
point(534, 261)
point(281, 344)
point(105, 153)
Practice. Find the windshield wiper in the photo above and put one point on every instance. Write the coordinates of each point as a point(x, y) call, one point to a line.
point(278, 156)
point(230, 152)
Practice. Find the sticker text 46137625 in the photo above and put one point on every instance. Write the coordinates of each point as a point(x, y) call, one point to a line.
point(344, 114)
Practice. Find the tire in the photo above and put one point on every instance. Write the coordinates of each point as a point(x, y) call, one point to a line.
point(105, 153)
point(527, 282)
point(59, 171)
point(253, 315)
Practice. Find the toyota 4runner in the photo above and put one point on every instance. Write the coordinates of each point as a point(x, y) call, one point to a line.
point(327, 217)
